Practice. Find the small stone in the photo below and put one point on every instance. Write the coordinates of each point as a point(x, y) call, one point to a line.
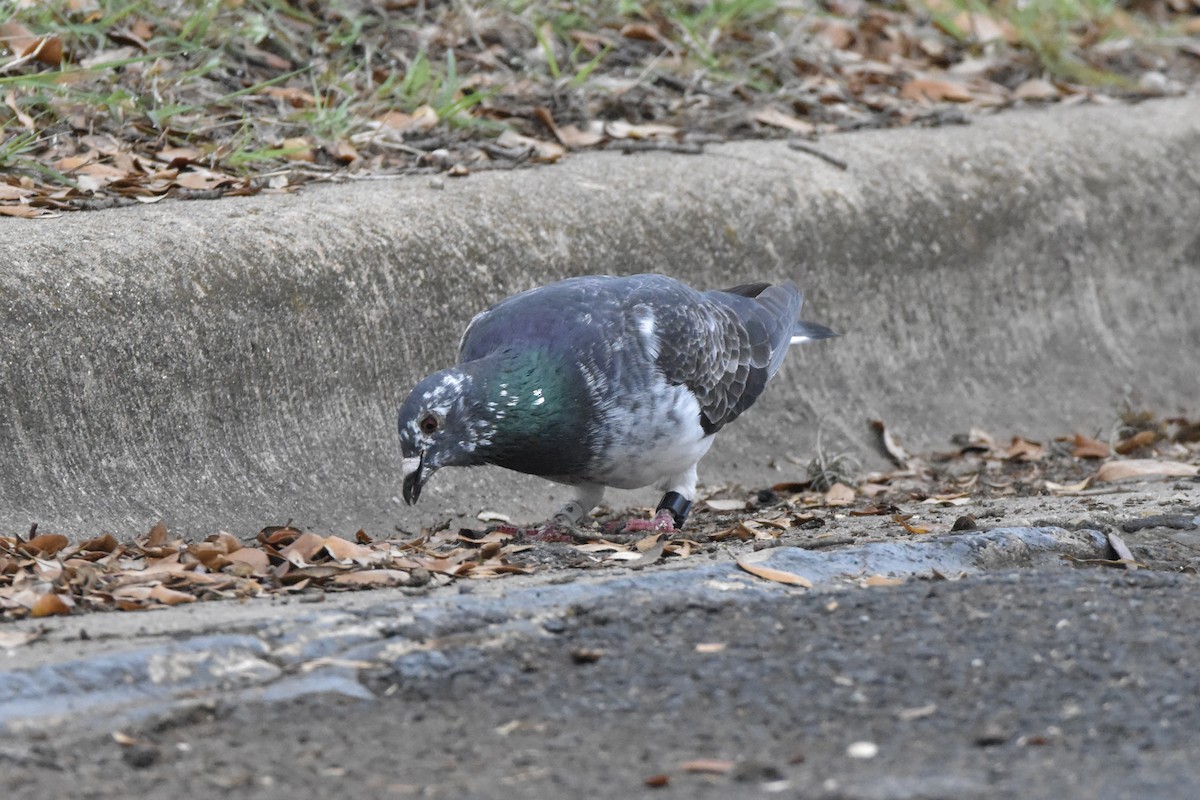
point(862, 750)
point(1154, 82)
point(140, 756)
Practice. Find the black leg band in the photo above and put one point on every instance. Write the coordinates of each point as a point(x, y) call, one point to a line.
point(678, 505)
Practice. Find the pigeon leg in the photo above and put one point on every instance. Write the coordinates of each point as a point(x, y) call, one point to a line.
point(576, 512)
point(672, 511)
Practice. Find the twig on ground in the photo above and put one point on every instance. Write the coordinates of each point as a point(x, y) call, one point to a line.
point(812, 151)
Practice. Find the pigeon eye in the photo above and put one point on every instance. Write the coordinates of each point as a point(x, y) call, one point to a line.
point(428, 424)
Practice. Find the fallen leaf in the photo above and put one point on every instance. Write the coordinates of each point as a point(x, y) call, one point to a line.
point(883, 580)
point(574, 138)
point(493, 516)
point(778, 119)
point(710, 766)
point(253, 558)
point(542, 151)
point(643, 31)
point(301, 551)
point(959, 499)
point(24, 43)
point(1036, 89)
point(1086, 447)
point(725, 504)
point(170, 597)
point(930, 90)
point(298, 148)
point(51, 604)
point(28, 212)
point(890, 445)
point(45, 544)
point(296, 98)
point(1144, 468)
point(657, 781)
point(372, 577)
point(903, 520)
point(1067, 488)
point(1136, 442)
point(839, 495)
point(1023, 449)
point(619, 129)
point(158, 535)
point(776, 575)
point(710, 647)
point(346, 551)
point(1123, 552)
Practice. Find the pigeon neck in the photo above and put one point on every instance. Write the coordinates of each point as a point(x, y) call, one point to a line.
point(538, 410)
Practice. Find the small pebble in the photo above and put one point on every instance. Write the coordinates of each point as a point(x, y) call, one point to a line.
point(863, 750)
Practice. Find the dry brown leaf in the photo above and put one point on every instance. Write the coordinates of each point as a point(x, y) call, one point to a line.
point(296, 98)
point(643, 31)
point(710, 647)
point(725, 504)
point(158, 535)
point(301, 551)
point(778, 119)
point(345, 551)
point(839, 495)
point(619, 129)
point(51, 604)
point(575, 138)
point(1086, 447)
point(372, 577)
point(903, 520)
point(1067, 488)
point(298, 148)
point(24, 43)
point(883, 580)
point(1123, 552)
point(422, 120)
point(1023, 449)
point(890, 445)
point(542, 151)
point(45, 544)
point(27, 212)
point(959, 499)
point(1144, 468)
point(253, 558)
point(1036, 89)
point(1136, 442)
point(776, 575)
point(170, 597)
point(930, 90)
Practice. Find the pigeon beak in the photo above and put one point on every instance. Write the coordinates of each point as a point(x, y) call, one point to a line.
point(413, 477)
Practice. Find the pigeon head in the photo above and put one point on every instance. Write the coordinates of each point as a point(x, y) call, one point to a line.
point(437, 429)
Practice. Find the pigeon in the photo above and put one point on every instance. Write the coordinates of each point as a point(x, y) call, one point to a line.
point(601, 381)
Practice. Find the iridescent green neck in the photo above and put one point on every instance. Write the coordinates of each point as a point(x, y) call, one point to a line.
point(537, 409)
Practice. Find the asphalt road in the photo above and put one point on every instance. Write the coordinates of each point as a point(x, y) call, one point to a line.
point(1051, 683)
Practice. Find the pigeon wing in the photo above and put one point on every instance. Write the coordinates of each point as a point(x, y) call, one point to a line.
point(726, 347)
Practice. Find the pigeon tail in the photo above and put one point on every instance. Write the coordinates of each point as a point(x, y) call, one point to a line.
point(811, 332)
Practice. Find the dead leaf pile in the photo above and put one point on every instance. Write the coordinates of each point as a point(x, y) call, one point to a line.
point(45, 575)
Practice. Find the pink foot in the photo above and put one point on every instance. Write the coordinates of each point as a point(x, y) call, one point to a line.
point(662, 522)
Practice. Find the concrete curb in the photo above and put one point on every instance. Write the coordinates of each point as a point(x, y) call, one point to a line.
point(235, 363)
point(270, 660)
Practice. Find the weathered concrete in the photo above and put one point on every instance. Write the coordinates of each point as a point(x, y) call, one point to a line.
point(193, 655)
point(230, 364)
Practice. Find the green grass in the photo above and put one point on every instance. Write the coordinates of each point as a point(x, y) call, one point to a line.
point(1049, 30)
